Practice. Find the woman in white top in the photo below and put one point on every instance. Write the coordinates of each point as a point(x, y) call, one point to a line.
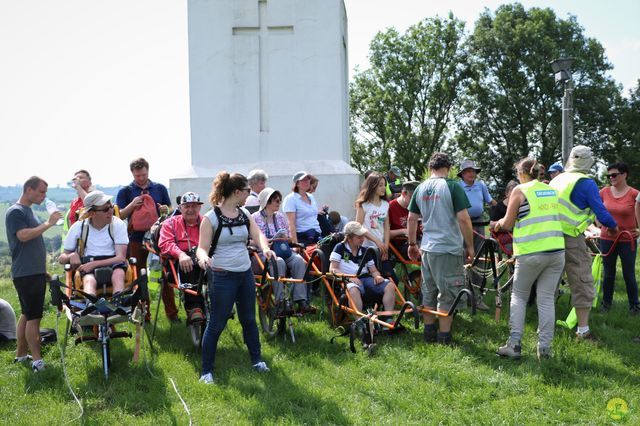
point(227, 228)
point(302, 211)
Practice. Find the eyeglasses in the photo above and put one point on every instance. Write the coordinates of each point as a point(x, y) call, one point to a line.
point(104, 209)
point(613, 175)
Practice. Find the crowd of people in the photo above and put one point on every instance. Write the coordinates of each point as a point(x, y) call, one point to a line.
point(439, 222)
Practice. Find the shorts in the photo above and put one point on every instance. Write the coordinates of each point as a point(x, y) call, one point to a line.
point(577, 266)
point(442, 279)
point(88, 259)
point(369, 290)
point(31, 290)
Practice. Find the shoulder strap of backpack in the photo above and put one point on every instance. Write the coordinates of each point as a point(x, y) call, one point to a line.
point(84, 236)
point(217, 232)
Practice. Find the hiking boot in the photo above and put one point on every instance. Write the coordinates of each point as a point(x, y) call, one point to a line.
point(604, 308)
point(261, 367)
point(634, 310)
point(480, 305)
point(207, 379)
point(444, 338)
point(510, 350)
point(37, 366)
point(24, 358)
point(430, 334)
point(588, 336)
point(543, 352)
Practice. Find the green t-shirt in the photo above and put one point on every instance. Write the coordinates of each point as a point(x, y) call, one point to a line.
point(437, 201)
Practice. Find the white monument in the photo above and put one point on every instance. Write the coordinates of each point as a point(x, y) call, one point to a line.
point(269, 90)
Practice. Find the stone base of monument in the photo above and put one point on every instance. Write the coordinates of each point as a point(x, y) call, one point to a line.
point(339, 182)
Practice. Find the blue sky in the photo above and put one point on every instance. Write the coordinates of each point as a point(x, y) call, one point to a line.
point(87, 84)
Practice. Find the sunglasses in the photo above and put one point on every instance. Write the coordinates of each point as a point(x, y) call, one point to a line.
point(613, 175)
point(104, 209)
point(246, 189)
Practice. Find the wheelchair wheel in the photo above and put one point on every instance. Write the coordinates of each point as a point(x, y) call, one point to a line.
point(412, 288)
point(196, 331)
point(267, 311)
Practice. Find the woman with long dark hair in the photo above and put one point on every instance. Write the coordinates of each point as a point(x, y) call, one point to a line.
point(224, 232)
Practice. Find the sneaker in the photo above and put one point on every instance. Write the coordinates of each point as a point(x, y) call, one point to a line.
point(480, 305)
point(37, 366)
point(588, 336)
point(636, 339)
point(280, 310)
point(543, 352)
point(207, 379)
point(22, 359)
point(261, 367)
point(510, 350)
point(634, 310)
point(430, 334)
point(604, 308)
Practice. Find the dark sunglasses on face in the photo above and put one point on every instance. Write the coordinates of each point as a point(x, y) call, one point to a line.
point(613, 175)
point(104, 209)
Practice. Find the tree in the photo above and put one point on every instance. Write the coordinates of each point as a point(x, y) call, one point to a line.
point(401, 107)
point(513, 108)
point(625, 144)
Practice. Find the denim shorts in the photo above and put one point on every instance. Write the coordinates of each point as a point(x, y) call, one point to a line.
point(368, 286)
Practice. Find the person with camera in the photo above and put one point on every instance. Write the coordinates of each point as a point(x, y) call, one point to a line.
point(178, 241)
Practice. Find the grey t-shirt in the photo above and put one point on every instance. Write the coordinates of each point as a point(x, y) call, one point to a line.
point(30, 257)
point(231, 253)
point(7, 320)
point(438, 200)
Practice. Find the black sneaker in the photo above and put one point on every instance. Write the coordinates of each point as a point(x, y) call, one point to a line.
point(634, 310)
point(604, 308)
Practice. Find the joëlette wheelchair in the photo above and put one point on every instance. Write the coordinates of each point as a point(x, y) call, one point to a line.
point(99, 314)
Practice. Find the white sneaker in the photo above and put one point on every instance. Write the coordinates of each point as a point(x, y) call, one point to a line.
point(22, 359)
point(261, 367)
point(207, 379)
point(37, 366)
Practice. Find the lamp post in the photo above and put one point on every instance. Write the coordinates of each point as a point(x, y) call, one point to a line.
point(562, 71)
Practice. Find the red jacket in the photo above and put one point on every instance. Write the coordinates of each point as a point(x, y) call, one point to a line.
point(176, 238)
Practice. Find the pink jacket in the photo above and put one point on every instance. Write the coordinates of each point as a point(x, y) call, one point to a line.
point(176, 238)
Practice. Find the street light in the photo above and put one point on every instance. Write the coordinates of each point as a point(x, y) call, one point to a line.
point(562, 72)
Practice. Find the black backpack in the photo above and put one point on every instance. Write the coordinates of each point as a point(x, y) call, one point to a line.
point(152, 236)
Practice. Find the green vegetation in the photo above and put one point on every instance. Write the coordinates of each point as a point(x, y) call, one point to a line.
point(316, 382)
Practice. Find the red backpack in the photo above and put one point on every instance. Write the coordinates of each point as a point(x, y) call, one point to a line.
point(144, 216)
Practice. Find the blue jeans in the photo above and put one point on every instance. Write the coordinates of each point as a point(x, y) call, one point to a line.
point(628, 261)
point(226, 289)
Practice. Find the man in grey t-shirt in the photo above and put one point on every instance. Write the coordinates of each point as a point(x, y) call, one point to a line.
point(442, 205)
point(28, 266)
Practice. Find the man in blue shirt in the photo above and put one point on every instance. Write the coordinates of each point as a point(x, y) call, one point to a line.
point(478, 195)
point(129, 199)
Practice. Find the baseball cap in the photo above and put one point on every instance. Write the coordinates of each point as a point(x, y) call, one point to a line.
point(299, 176)
point(468, 164)
point(190, 197)
point(96, 198)
point(354, 228)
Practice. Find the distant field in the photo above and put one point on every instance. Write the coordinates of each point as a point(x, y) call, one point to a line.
point(51, 232)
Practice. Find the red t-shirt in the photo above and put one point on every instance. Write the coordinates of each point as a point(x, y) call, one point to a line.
point(74, 209)
point(397, 215)
point(622, 209)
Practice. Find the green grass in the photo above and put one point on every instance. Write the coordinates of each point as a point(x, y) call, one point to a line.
point(316, 382)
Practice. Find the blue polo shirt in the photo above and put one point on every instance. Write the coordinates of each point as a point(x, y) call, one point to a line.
point(478, 195)
point(126, 194)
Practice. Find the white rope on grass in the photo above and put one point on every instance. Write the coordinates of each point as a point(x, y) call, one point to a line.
point(146, 363)
point(64, 372)
point(184, 404)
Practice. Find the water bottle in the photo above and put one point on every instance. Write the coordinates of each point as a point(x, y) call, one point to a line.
point(52, 208)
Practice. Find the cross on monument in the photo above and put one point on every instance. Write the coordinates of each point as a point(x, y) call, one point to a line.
point(263, 30)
